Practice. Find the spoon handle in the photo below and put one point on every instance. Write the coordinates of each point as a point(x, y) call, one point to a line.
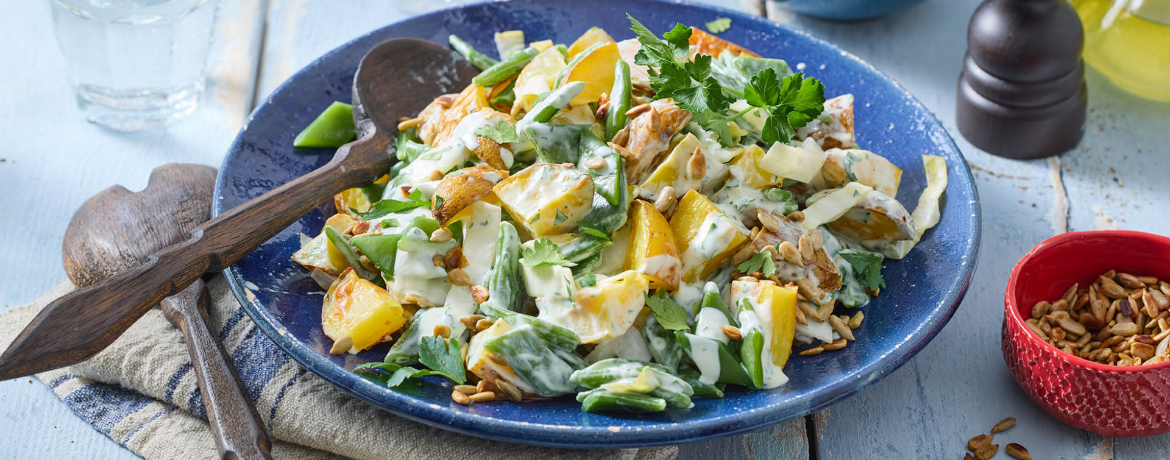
point(83, 322)
point(235, 424)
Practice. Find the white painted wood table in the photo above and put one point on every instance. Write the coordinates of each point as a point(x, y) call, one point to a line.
point(958, 386)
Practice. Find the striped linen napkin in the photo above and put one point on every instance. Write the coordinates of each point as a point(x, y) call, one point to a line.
point(141, 393)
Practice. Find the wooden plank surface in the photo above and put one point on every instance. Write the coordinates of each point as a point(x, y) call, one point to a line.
point(958, 386)
point(54, 160)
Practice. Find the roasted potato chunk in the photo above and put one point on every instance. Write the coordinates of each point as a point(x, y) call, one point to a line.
point(461, 188)
point(653, 251)
point(359, 310)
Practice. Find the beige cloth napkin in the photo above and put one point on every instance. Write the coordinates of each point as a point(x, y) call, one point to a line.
point(142, 393)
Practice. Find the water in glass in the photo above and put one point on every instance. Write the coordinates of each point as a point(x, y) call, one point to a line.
point(136, 64)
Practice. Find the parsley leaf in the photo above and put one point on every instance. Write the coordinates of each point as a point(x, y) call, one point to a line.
point(502, 133)
point(389, 206)
point(669, 314)
point(591, 229)
point(791, 103)
point(717, 124)
point(868, 265)
point(391, 374)
point(689, 83)
point(445, 358)
point(544, 252)
point(589, 280)
point(761, 262)
point(719, 25)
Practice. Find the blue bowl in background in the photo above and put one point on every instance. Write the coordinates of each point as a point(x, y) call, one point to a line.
point(845, 10)
point(924, 290)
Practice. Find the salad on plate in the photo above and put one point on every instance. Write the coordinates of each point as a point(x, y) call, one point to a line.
point(636, 223)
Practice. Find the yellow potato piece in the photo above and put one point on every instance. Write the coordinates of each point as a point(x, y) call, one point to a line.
point(596, 71)
point(592, 36)
point(319, 253)
point(653, 250)
point(867, 167)
point(692, 220)
point(538, 77)
point(547, 199)
point(750, 172)
point(782, 300)
point(361, 310)
point(606, 310)
point(471, 100)
point(673, 170)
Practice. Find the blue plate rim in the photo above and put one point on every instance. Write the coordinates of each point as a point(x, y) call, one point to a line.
point(530, 433)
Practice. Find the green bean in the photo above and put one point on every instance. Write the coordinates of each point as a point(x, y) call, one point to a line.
point(557, 337)
point(533, 361)
point(701, 390)
point(563, 49)
point(552, 104)
point(611, 203)
point(619, 100)
point(662, 344)
point(677, 392)
point(610, 370)
point(478, 59)
point(554, 143)
point(405, 349)
point(750, 353)
point(583, 246)
point(713, 299)
point(505, 291)
point(506, 68)
point(730, 370)
point(380, 249)
point(343, 246)
point(586, 266)
point(334, 127)
point(608, 401)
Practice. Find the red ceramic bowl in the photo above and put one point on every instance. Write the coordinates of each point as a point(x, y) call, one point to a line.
point(1110, 400)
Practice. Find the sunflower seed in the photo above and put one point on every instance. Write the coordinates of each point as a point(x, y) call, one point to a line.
point(855, 321)
point(1141, 350)
point(1070, 294)
point(509, 391)
point(977, 442)
point(342, 345)
point(459, 277)
point(792, 255)
point(1059, 305)
point(1041, 308)
point(812, 351)
point(1124, 329)
point(1017, 451)
point(460, 398)
point(466, 389)
point(697, 165)
point(1112, 290)
point(807, 251)
point(667, 198)
point(986, 452)
point(483, 324)
point(731, 332)
point(1130, 281)
point(483, 396)
point(442, 330)
point(479, 294)
point(835, 345)
point(840, 327)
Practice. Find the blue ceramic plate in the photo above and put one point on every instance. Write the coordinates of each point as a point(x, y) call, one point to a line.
point(924, 289)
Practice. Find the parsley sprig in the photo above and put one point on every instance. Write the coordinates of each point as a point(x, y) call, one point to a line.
point(441, 357)
point(868, 265)
point(503, 132)
point(689, 83)
point(543, 252)
point(669, 314)
point(761, 262)
point(791, 103)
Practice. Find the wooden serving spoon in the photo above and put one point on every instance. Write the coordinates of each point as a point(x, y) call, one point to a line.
point(397, 77)
point(117, 229)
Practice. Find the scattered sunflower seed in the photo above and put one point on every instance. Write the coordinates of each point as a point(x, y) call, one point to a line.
point(977, 442)
point(1017, 451)
point(1004, 424)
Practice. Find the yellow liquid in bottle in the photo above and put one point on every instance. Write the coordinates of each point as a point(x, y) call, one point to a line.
point(1129, 42)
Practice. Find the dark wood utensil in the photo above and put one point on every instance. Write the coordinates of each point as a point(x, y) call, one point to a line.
point(396, 78)
point(117, 229)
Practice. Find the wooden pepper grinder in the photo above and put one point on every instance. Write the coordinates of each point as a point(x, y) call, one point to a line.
point(1022, 92)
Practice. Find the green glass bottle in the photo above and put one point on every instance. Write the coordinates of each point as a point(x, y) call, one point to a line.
point(1129, 42)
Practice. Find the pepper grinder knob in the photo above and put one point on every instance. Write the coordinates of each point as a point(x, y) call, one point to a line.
point(1022, 92)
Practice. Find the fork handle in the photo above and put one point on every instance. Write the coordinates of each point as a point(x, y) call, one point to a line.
point(238, 430)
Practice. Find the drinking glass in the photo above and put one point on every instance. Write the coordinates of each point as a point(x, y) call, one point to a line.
point(136, 64)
